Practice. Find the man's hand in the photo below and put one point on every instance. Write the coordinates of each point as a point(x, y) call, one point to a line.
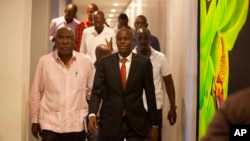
point(172, 115)
point(36, 130)
point(153, 134)
point(109, 44)
point(93, 124)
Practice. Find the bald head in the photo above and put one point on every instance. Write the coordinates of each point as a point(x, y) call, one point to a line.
point(70, 12)
point(102, 51)
point(143, 40)
point(98, 21)
point(65, 41)
point(71, 6)
point(91, 8)
point(143, 30)
point(64, 29)
point(98, 14)
point(140, 22)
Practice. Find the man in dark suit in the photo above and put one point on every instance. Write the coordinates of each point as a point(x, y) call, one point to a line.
point(122, 115)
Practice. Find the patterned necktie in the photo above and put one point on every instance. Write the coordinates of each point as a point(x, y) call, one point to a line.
point(123, 72)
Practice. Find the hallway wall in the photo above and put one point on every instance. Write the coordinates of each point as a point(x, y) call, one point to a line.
point(14, 73)
point(175, 24)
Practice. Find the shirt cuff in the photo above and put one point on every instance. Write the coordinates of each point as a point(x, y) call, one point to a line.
point(91, 115)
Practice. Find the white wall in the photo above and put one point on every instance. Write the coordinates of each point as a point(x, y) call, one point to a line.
point(14, 72)
point(182, 50)
point(24, 38)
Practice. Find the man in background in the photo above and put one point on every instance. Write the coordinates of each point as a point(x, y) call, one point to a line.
point(96, 35)
point(88, 22)
point(141, 22)
point(122, 22)
point(100, 52)
point(161, 71)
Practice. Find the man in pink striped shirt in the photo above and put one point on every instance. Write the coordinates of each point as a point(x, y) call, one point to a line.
point(68, 20)
point(63, 80)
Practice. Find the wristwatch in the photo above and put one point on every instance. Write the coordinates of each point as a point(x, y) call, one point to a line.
point(155, 126)
point(173, 107)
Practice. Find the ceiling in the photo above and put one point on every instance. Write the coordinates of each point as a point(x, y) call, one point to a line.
point(103, 5)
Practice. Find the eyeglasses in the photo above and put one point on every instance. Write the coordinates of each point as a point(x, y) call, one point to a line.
point(65, 38)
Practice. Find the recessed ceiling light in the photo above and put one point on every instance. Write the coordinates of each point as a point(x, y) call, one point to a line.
point(111, 15)
point(113, 10)
point(109, 20)
point(116, 4)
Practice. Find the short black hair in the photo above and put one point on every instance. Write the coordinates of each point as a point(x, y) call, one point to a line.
point(123, 16)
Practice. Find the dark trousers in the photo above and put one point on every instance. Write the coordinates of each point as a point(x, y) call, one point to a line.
point(126, 132)
point(159, 115)
point(72, 136)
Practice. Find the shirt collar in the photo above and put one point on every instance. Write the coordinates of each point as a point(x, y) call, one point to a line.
point(152, 51)
point(55, 54)
point(129, 57)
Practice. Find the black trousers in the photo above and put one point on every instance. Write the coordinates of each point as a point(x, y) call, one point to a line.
point(72, 136)
point(159, 115)
point(126, 132)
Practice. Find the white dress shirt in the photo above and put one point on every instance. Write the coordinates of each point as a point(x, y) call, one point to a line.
point(160, 68)
point(91, 39)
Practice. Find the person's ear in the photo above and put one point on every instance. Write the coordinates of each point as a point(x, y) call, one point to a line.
point(146, 25)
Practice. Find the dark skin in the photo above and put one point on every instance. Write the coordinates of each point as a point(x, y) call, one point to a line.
point(124, 39)
point(90, 10)
point(123, 23)
point(70, 12)
point(140, 22)
point(36, 130)
point(143, 48)
point(65, 42)
point(101, 51)
point(99, 21)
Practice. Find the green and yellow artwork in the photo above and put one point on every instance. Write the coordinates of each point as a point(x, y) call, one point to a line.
point(220, 24)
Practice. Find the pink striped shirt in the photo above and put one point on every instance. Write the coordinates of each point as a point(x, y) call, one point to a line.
point(58, 96)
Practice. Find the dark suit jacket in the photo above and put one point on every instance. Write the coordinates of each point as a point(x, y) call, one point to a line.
point(108, 87)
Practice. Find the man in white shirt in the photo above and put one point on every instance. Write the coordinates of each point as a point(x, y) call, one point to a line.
point(161, 71)
point(96, 35)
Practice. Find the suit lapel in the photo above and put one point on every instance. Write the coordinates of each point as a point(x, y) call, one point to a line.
point(116, 67)
point(132, 70)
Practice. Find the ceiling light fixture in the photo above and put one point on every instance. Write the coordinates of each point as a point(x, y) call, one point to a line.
point(113, 10)
point(111, 15)
point(116, 4)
